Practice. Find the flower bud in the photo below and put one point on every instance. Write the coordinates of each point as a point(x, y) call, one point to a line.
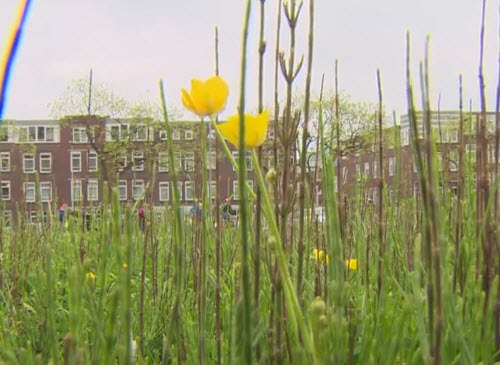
point(271, 176)
point(317, 307)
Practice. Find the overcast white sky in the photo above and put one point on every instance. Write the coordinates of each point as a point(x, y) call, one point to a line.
point(131, 44)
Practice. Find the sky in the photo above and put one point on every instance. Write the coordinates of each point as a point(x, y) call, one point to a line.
point(130, 45)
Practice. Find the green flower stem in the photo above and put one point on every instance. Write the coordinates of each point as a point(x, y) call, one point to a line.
point(293, 306)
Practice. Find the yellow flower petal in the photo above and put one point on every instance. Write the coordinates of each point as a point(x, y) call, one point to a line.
point(255, 129)
point(186, 100)
point(199, 97)
point(206, 97)
point(218, 91)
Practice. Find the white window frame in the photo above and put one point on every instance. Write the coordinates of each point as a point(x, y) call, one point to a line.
point(212, 189)
point(164, 191)
point(176, 135)
point(179, 188)
point(28, 157)
point(45, 186)
point(189, 161)
point(5, 184)
point(236, 190)
point(122, 187)
point(188, 134)
point(45, 156)
point(76, 186)
point(4, 158)
point(248, 160)
point(211, 160)
point(189, 187)
point(78, 156)
point(162, 162)
point(81, 133)
point(375, 169)
point(391, 166)
point(92, 155)
point(162, 135)
point(367, 168)
point(138, 155)
point(30, 187)
point(178, 161)
point(91, 185)
point(35, 136)
point(137, 184)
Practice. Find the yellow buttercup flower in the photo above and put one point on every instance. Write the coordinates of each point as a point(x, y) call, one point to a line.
point(320, 256)
point(206, 97)
point(255, 129)
point(90, 276)
point(351, 264)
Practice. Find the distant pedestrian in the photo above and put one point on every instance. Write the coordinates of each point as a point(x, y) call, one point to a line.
point(62, 211)
point(142, 218)
point(196, 210)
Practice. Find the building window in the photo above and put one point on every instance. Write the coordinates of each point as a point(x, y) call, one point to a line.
point(178, 161)
point(122, 190)
point(176, 135)
point(440, 161)
point(139, 132)
point(248, 160)
point(121, 162)
point(358, 172)
point(92, 190)
point(28, 164)
point(46, 191)
point(211, 160)
point(212, 190)
point(45, 163)
point(164, 191)
point(367, 168)
point(5, 190)
point(76, 162)
point(189, 193)
point(31, 217)
point(391, 166)
point(179, 189)
point(29, 192)
point(375, 169)
point(138, 161)
point(189, 161)
point(453, 160)
point(92, 163)
point(118, 132)
point(4, 161)
point(76, 190)
point(236, 188)
point(7, 218)
point(36, 134)
point(137, 189)
point(162, 135)
point(188, 134)
point(79, 135)
point(162, 162)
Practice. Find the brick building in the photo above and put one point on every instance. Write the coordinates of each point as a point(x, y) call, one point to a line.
point(362, 169)
point(69, 160)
